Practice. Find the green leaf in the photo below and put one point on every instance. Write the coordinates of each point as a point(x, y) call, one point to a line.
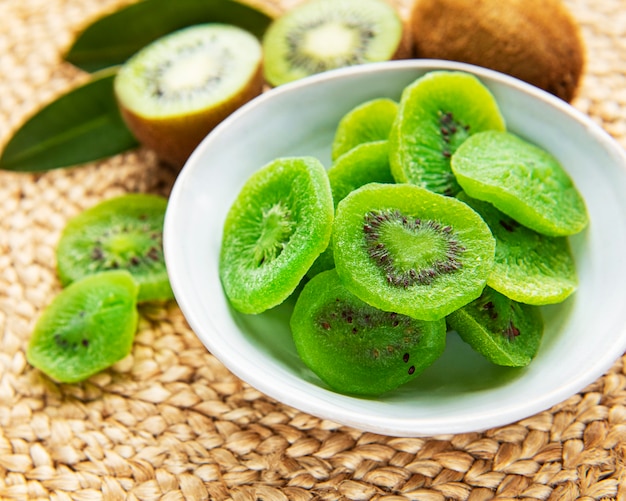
point(112, 39)
point(81, 126)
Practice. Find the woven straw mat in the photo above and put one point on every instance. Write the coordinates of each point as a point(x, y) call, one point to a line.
point(170, 422)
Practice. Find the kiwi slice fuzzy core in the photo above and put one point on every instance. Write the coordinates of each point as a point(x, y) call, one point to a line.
point(178, 88)
point(403, 248)
point(321, 35)
point(124, 232)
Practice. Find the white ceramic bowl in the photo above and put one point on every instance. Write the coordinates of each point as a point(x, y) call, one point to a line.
point(461, 392)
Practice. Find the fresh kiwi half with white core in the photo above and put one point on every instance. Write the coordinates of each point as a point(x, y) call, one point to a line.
point(175, 90)
point(321, 35)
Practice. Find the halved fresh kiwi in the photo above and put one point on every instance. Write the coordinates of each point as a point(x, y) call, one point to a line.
point(370, 121)
point(522, 180)
point(364, 163)
point(529, 267)
point(405, 249)
point(125, 232)
point(89, 326)
point(320, 35)
point(178, 88)
point(278, 225)
point(437, 113)
point(358, 349)
point(504, 331)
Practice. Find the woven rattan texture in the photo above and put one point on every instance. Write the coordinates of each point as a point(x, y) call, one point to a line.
point(170, 422)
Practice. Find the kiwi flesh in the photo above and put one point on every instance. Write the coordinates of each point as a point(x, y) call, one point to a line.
point(538, 41)
point(278, 225)
point(174, 91)
point(522, 180)
point(124, 232)
point(89, 326)
point(367, 122)
point(405, 249)
point(528, 267)
point(502, 330)
point(437, 112)
point(320, 35)
point(355, 348)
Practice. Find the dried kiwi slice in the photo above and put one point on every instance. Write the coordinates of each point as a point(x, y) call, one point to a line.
point(504, 331)
point(522, 180)
point(437, 113)
point(88, 327)
point(320, 35)
point(529, 267)
point(124, 232)
point(279, 224)
point(370, 121)
point(403, 248)
point(364, 163)
point(358, 349)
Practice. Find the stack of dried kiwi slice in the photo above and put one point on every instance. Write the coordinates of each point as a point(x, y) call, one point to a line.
point(442, 221)
point(109, 259)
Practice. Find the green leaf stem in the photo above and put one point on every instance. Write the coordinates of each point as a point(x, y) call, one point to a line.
point(112, 39)
point(81, 126)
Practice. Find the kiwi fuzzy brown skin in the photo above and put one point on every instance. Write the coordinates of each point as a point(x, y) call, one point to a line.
point(173, 140)
point(537, 41)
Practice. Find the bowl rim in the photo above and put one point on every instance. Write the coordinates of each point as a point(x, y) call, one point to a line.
point(289, 393)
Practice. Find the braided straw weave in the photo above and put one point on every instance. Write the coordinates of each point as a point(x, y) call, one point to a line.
point(170, 422)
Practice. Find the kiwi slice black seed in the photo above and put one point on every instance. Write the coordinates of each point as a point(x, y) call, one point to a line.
point(176, 89)
point(320, 35)
point(437, 113)
point(405, 249)
point(367, 122)
point(355, 348)
point(504, 331)
point(124, 232)
point(279, 224)
point(89, 326)
point(528, 267)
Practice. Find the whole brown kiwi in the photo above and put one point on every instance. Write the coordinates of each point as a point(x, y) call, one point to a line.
point(537, 41)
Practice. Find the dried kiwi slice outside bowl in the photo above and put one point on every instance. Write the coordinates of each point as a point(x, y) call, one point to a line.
point(504, 331)
point(529, 267)
point(356, 348)
point(123, 232)
point(279, 224)
point(405, 249)
point(522, 180)
point(437, 113)
point(174, 91)
point(89, 326)
point(321, 35)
